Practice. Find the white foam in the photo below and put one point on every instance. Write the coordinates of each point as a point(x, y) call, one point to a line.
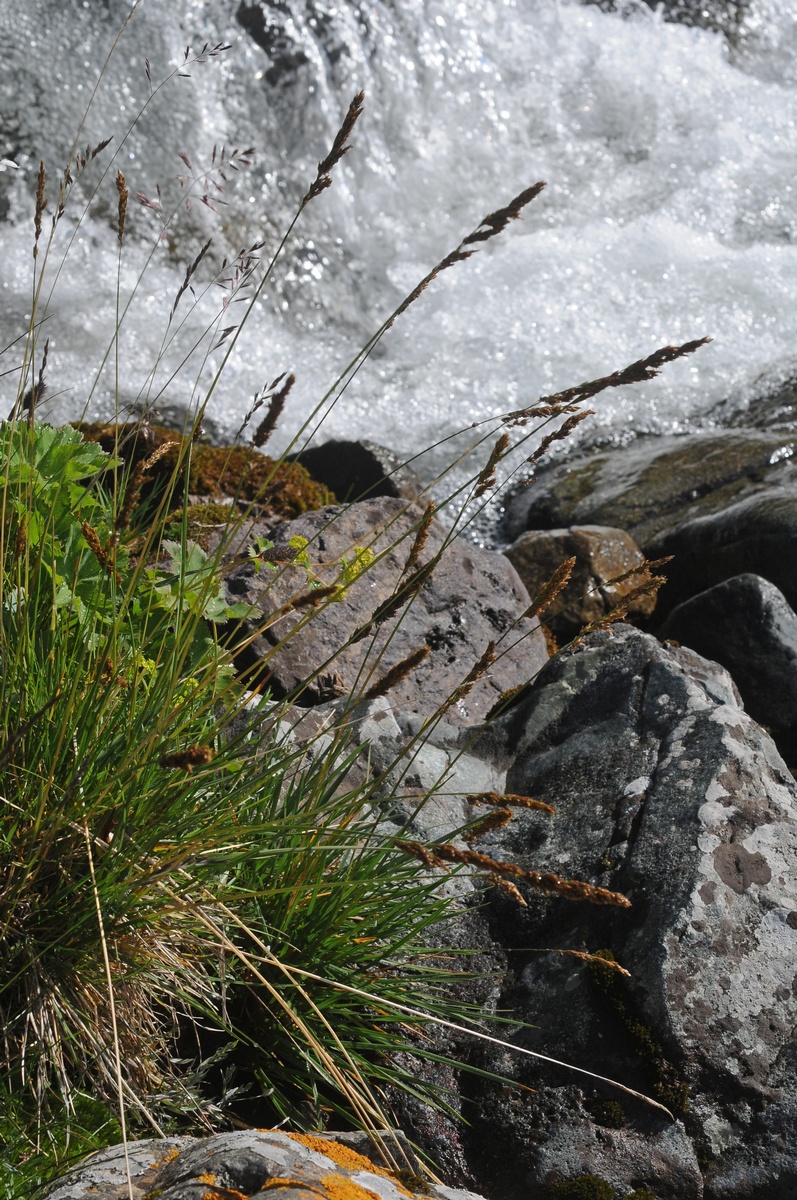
point(670, 212)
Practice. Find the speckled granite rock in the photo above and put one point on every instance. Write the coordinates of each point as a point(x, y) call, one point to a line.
point(245, 1164)
point(473, 596)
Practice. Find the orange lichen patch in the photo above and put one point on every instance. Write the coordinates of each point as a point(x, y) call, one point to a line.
point(339, 1187)
point(168, 1157)
point(344, 1156)
point(301, 1184)
point(206, 1177)
point(224, 1194)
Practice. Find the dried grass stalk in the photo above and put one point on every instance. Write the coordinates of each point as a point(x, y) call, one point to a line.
point(550, 590)
point(560, 434)
point(492, 225)
point(509, 800)
point(41, 204)
point(471, 679)
point(397, 673)
point(186, 760)
point(93, 543)
point(420, 538)
point(340, 147)
point(486, 479)
point(401, 597)
point(276, 405)
point(542, 881)
point(124, 195)
point(133, 490)
point(637, 372)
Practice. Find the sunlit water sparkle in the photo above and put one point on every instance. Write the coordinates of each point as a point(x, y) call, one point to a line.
point(670, 211)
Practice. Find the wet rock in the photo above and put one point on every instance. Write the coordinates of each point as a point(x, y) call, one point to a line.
point(756, 534)
point(359, 470)
point(773, 405)
point(722, 16)
point(746, 624)
point(472, 597)
point(601, 554)
point(249, 1163)
point(655, 485)
point(669, 793)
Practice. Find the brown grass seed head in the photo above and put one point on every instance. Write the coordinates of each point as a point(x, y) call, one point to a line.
point(340, 147)
point(550, 590)
point(397, 673)
point(276, 405)
point(41, 204)
point(121, 188)
point(186, 760)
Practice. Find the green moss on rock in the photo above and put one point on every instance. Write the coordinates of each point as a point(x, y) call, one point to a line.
point(669, 1087)
point(584, 1187)
point(236, 472)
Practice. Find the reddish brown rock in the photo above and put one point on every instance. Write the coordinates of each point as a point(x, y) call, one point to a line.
point(601, 553)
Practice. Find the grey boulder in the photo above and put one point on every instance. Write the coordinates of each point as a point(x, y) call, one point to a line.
point(471, 598)
point(670, 794)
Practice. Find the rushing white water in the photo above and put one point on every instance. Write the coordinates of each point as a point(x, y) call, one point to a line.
point(670, 211)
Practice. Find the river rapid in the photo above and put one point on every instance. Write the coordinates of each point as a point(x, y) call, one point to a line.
point(670, 211)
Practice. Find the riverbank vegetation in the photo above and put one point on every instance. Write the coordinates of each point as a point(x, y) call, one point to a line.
point(201, 917)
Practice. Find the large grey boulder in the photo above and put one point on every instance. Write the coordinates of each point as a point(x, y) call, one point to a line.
point(669, 793)
point(471, 598)
point(248, 1163)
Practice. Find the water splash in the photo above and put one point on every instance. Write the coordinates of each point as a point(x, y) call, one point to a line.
point(670, 212)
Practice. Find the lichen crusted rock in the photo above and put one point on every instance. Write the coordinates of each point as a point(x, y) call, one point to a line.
point(471, 597)
point(669, 793)
point(244, 1163)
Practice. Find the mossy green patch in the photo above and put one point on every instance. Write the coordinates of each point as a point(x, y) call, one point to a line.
point(669, 1087)
point(237, 472)
point(584, 1187)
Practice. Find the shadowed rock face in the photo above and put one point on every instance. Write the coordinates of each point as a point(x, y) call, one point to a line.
point(745, 624)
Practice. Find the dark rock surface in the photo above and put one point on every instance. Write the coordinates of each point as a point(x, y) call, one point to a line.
point(755, 534)
point(746, 624)
point(655, 485)
point(601, 554)
point(473, 596)
point(359, 470)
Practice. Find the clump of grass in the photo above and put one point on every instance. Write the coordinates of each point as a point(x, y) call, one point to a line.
point(195, 911)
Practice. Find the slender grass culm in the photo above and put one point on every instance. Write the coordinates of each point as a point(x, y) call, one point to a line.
point(192, 916)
